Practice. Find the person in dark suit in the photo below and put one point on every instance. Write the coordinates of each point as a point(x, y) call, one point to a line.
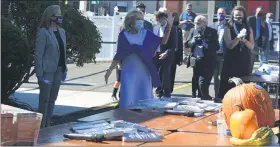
point(165, 54)
point(268, 39)
point(257, 24)
point(147, 24)
point(178, 54)
point(203, 42)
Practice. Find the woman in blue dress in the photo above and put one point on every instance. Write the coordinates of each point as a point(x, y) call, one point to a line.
point(135, 50)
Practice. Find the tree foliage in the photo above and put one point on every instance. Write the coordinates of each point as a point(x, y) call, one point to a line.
point(15, 58)
point(83, 38)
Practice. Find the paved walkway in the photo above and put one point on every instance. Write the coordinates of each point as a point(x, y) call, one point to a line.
point(68, 101)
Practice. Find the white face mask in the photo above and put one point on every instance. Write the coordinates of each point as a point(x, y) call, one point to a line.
point(270, 20)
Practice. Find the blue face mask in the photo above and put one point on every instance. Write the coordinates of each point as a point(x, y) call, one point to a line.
point(221, 17)
point(270, 20)
point(139, 24)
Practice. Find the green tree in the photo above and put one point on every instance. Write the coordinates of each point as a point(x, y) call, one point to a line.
point(15, 58)
point(83, 38)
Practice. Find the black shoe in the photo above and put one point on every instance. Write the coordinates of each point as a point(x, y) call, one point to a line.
point(217, 100)
point(193, 95)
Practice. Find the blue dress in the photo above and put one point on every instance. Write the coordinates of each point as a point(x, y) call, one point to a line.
point(138, 75)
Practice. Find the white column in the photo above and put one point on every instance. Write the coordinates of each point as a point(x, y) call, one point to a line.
point(164, 4)
point(83, 6)
point(210, 11)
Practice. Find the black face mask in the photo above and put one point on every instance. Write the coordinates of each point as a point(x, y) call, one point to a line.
point(238, 19)
point(57, 19)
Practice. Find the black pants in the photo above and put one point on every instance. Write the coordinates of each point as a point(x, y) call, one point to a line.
point(173, 73)
point(164, 70)
point(202, 75)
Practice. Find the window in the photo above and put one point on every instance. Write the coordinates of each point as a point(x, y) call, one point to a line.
point(200, 7)
point(228, 5)
point(122, 9)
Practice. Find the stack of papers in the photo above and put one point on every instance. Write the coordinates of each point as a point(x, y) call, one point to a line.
point(267, 69)
point(128, 131)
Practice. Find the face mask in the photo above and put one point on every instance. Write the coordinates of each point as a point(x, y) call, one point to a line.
point(198, 28)
point(221, 17)
point(57, 19)
point(269, 20)
point(139, 24)
point(189, 10)
point(238, 19)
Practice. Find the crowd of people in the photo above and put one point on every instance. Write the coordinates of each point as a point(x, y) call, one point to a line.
point(147, 55)
point(223, 49)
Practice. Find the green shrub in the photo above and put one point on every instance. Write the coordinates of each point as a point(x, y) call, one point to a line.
point(15, 58)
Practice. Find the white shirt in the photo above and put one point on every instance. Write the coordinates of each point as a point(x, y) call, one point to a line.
point(220, 32)
point(159, 31)
point(269, 31)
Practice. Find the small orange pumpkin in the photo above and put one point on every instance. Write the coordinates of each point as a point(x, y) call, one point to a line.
point(243, 123)
point(249, 96)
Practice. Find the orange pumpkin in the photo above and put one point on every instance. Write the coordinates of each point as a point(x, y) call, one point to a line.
point(243, 123)
point(249, 96)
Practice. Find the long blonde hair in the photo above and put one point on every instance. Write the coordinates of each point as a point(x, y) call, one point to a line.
point(129, 21)
point(48, 13)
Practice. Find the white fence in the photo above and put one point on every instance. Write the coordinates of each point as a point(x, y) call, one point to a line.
point(109, 28)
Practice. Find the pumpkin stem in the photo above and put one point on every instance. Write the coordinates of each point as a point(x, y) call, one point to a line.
point(240, 107)
point(236, 81)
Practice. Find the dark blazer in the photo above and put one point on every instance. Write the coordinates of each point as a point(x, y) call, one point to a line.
point(171, 43)
point(148, 25)
point(211, 38)
point(178, 55)
point(47, 52)
point(252, 23)
point(266, 36)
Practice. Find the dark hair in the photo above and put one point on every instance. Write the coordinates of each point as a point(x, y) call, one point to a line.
point(189, 4)
point(242, 9)
point(140, 5)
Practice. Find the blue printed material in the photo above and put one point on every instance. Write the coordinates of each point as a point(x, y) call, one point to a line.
point(142, 137)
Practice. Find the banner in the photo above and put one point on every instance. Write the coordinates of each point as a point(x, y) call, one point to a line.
point(275, 31)
point(253, 4)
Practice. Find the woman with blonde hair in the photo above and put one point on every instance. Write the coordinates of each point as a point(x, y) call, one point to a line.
point(135, 50)
point(50, 60)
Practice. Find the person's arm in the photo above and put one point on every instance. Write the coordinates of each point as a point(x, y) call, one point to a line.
point(249, 43)
point(40, 44)
point(174, 39)
point(214, 41)
point(190, 43)
point(181, 19)
point(180, 46)
point(170, 20)
point(113, 65)
point(230, 43)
